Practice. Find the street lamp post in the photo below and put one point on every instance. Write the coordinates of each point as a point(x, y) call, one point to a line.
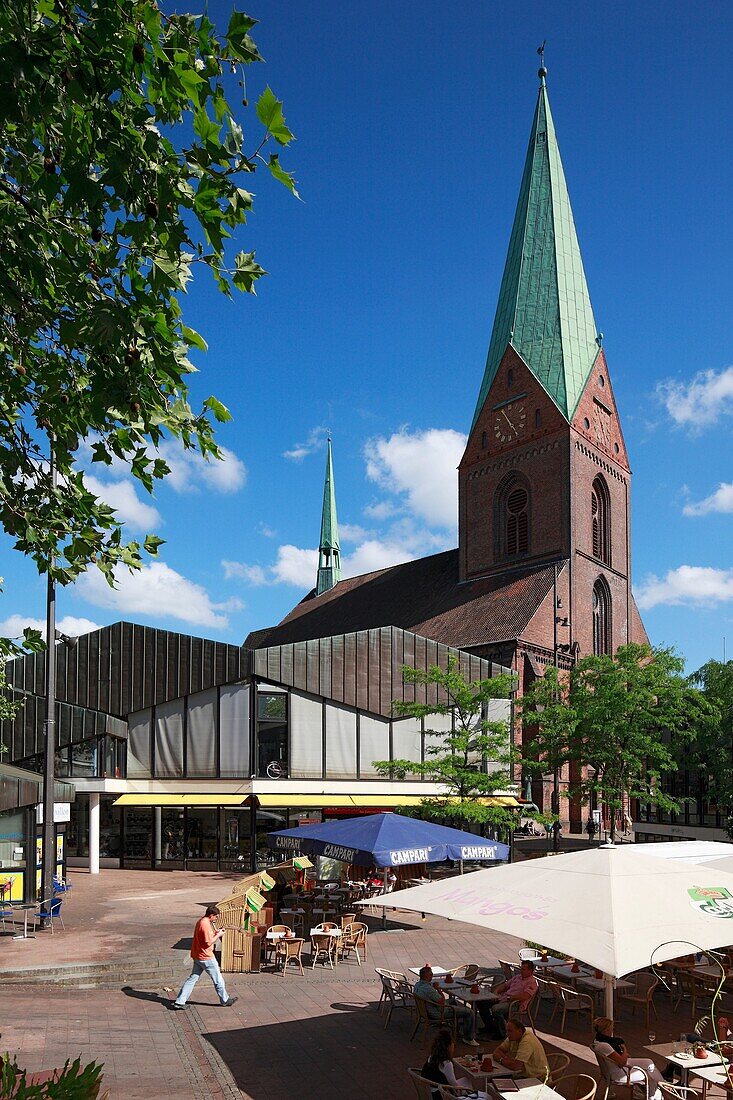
point(48, 832)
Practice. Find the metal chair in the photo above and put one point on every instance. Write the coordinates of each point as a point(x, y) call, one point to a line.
point(50, 910)
point(529, 954)
point(6, 913)
point(577, 1086)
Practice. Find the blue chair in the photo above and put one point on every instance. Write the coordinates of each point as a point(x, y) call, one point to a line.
point(50, 910)
point(6, 911)
point(61, 886)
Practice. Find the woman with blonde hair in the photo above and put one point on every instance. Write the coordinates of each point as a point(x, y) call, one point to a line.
point(622, 1069)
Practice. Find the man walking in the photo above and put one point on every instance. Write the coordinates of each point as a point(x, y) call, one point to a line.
point(202, 953)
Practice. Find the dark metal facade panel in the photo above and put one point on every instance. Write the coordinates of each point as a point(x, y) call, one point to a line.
point(364, 669)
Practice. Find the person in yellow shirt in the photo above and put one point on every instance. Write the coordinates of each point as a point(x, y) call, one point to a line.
point(522, 1051)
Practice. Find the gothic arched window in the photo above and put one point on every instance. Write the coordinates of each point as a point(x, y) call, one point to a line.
point(601, 617)
point(600, 506)
point(511, 518)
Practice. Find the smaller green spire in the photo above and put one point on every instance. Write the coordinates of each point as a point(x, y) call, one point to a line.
point(329, 550)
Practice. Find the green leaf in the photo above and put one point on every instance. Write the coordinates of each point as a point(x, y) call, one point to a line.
point(247, 272)
point(280, 174)
point(207, 130)
point(270, 114)
point(151, 544)
point(193, 338)
point(221, 412)
point(239, 44)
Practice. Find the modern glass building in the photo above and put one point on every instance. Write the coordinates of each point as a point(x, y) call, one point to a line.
point(185, 752)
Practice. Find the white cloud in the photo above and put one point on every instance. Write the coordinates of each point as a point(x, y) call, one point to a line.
point(691, 585)
point(13, 626)
point(121, 496)
point(719, 501)
point(381, 510)
point(420, 466)
point(190, 471)
point(156, 590)
point(352, 532)
point(315, 442)
point(267, 531)
point(701, 402)
point(295, 566)
point(237, 570)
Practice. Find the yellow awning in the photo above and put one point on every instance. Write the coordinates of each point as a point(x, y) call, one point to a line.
point(181, 800)
point(386, 801)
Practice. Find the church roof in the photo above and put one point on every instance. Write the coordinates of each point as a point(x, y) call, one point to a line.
point(544, 309)
point(329, 523)
point(423, 596)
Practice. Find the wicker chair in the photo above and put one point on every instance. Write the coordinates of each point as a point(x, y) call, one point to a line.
point(270, 946)
point(570, 1002)
point(354, 938)
point(288, 951)
point(398, 993)
point(557, 1064)
point(423, 1087)
point(323, 947)
point(677, 1092)
point(427, 1021)
point(577, 1086)
point(610, 1087)
point(468, 971)
point(393, 975)
point(641, 996)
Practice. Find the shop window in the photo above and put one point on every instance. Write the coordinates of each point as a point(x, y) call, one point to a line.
point(170, 849)
point(138, 836)
point(202, 846)
point(110, 819)
point(235, 840)
point(272, 734)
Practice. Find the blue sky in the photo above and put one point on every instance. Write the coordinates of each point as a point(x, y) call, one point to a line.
point(412, 121)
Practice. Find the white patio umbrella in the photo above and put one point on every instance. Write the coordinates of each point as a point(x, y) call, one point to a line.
point(610, 907)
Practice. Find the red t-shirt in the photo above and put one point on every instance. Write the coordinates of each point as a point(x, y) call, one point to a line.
point(204, 937)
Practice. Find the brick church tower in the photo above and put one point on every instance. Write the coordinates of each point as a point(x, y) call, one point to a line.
point(545, 477)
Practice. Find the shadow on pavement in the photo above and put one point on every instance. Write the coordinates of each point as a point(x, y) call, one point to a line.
point(147, 995)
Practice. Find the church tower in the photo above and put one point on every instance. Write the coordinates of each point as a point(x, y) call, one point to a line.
point(329, 550)
point(545, 478)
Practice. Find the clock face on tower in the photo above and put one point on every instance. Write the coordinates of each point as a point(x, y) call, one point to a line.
point(509, 422)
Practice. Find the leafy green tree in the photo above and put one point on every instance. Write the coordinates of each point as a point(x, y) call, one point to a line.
point(472, 761)
point(124, 168)
point(622, 719)
point(712, 750)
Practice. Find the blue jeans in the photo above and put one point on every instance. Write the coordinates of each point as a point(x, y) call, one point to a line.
point(465, 1019)
point(203, 966)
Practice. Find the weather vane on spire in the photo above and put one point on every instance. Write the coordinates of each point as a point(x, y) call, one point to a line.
point(542, 71)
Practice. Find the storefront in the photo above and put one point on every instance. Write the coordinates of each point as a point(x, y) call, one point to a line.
point(20, 832)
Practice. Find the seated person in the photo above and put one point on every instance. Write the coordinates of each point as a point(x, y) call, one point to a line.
point(521, 987)
point(522, 1051)
point(463, 1016)
point(439, 1066)
point(622, 1068)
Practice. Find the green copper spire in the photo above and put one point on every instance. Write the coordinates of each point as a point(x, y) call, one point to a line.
point(544, 308)
point(329, 550)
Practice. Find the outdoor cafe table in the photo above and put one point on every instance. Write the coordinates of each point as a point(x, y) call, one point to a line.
point(469, 1065)
point(687, 1063)
point(25, 910)
point(463, 993)
point(549, 963)
point(337, 932)
point(586, 978)
point(528, 1088)
point(438, 971)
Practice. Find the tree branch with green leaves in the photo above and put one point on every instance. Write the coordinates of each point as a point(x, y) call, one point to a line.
point(472, 761)
point(125, 167)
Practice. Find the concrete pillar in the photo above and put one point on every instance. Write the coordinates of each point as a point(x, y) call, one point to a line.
point(94, 833)
point(157, 834)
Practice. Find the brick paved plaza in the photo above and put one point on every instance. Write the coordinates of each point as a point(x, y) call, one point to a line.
point(286, 1037)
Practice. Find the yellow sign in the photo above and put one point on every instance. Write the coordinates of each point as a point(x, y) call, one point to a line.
point(15, 893)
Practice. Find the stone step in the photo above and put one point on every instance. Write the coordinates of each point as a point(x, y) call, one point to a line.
point(114, 973)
